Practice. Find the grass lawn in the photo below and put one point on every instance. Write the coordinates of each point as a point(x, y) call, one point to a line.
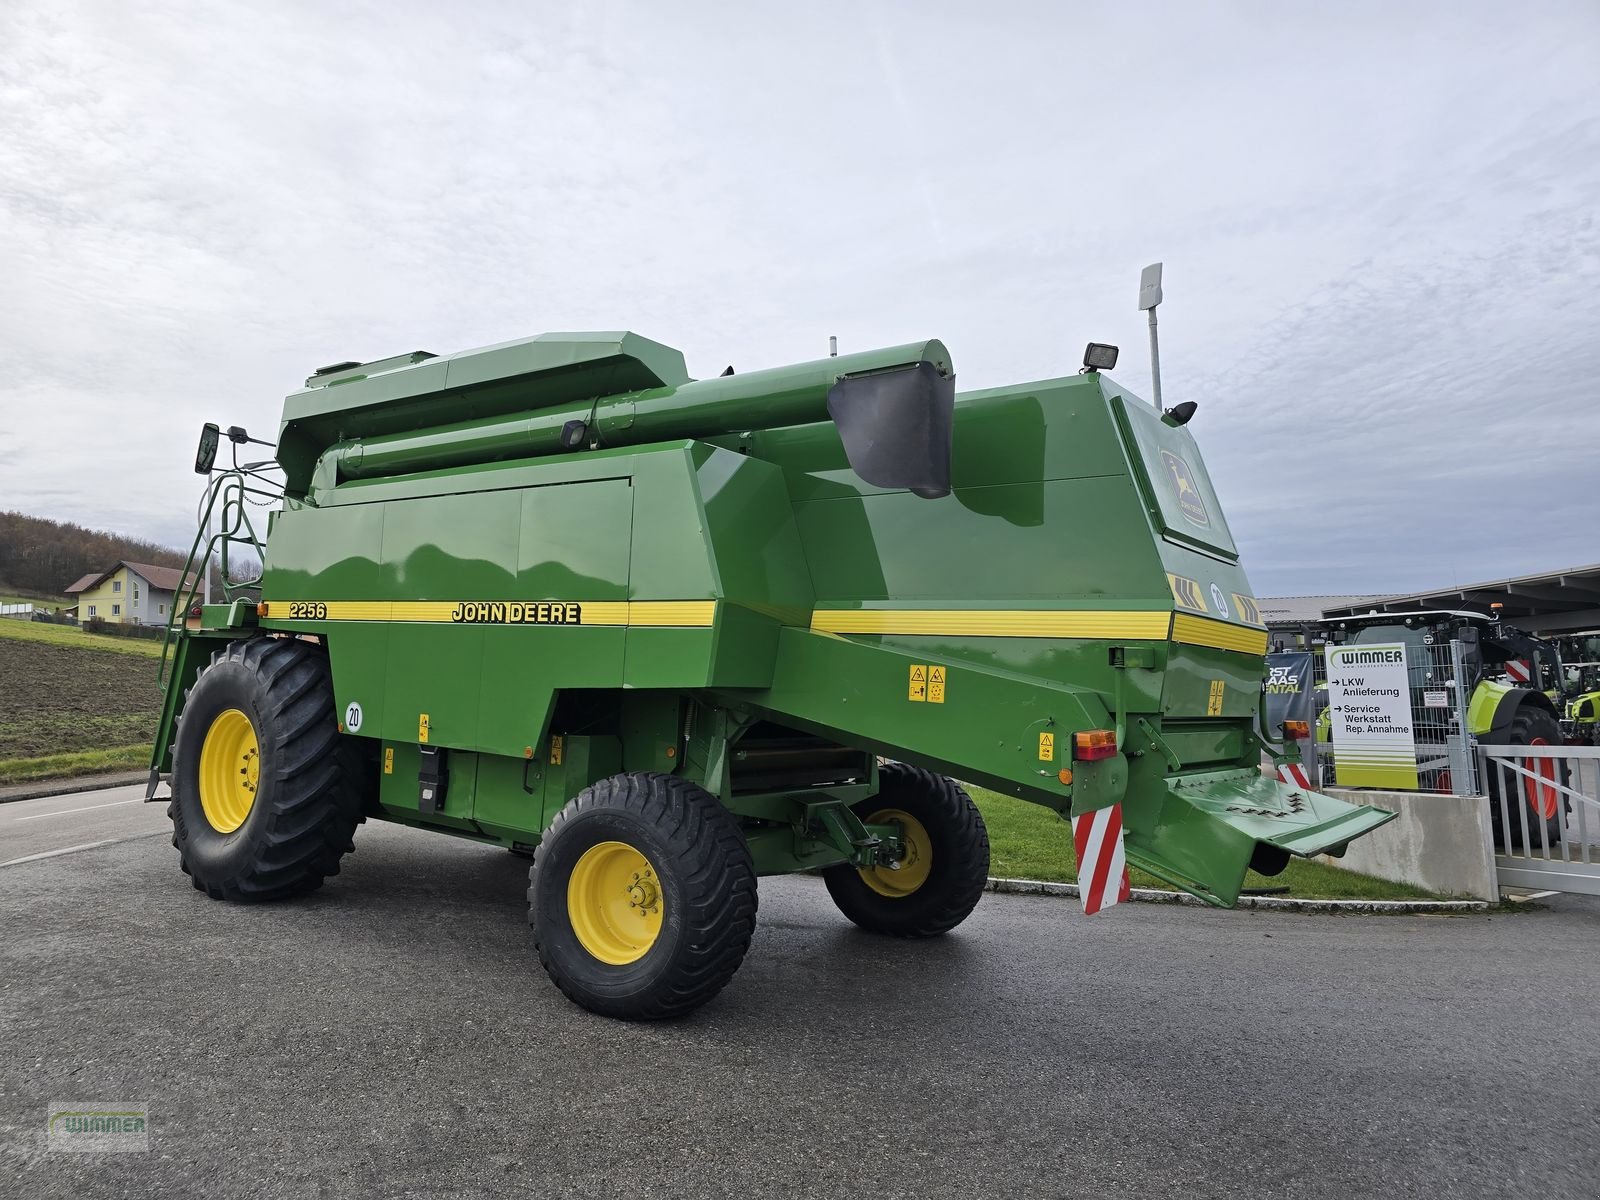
point(69, 766)
point(35, 599)
point(71, 635)
point(1029, 841)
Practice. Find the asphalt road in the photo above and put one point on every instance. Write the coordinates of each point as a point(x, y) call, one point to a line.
point(393, 1035)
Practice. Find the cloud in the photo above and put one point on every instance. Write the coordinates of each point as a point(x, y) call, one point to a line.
point(1377, 223)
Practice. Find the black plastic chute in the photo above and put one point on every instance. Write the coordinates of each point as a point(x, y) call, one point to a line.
point(897, 425)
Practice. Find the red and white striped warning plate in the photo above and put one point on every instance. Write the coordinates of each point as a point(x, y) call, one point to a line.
point(1294, 774)
point(1518, 670)
point(1102, 870)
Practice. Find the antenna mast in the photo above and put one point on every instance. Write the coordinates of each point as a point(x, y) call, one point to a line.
point(1149, 297)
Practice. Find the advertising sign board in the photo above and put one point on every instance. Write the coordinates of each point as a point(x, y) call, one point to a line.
point(1369, 698)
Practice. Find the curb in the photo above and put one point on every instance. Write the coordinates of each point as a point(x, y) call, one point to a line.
point(1038, 887)
point(62, 787)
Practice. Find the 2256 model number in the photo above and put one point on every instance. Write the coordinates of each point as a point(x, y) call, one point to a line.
point(307, 610)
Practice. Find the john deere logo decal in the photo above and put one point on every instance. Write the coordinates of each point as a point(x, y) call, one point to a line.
point(1183, 484)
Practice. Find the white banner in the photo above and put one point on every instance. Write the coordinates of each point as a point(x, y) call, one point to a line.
point(1369, 700)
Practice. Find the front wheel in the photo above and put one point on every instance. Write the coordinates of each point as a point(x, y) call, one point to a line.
point(1540, 798)
point(266, 794)
point(941, 878)
point(642, 897)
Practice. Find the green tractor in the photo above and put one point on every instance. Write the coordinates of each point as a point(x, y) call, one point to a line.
point(668, 635)
point(1580, 671)
point(1512, 682)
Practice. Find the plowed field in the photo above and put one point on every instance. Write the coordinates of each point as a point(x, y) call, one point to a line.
point(55, 699)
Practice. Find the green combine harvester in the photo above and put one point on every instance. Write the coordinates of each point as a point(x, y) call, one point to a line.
point(668, 635)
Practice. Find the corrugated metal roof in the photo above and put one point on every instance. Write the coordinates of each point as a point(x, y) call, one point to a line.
point(1296, 610)
point(1554, 602)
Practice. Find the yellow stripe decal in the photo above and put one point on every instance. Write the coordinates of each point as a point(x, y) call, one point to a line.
point(688, 614)
point(1248, 610)
point(1047, 623)
point(1202, 631)
point(1051, 623)
point(701, 614)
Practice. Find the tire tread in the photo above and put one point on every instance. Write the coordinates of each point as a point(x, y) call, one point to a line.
point(719, 883)
point(315, 803)
point(957, 888)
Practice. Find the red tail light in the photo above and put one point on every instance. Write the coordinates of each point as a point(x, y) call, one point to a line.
point(1091, 744)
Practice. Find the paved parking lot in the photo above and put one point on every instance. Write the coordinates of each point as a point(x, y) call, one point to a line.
point(393, 1035)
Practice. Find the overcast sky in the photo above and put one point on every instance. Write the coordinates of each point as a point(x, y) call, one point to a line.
point(1379, 224)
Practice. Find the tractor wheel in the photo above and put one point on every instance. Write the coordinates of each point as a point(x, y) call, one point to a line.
point(1543, 802)
point(642, 897)
point(946, 866)
point(264, 794)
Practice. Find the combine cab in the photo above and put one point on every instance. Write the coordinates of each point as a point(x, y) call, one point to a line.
point(664, 634)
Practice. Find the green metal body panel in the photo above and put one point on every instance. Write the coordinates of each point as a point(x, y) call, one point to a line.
point(1584, 709)
point(1485, 702)
point(707, 573)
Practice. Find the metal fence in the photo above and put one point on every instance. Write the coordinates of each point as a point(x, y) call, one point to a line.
point(1445, 759)
point(1545, 807)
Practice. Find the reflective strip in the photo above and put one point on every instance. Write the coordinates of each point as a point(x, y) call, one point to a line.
point(603, 613)
point(1186, 592)
point(950, 622)
point(1249, 611)
point(1202, 631)
point(1294, 774)
point(1102, 867)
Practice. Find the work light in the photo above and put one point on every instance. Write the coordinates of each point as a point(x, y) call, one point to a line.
point(1099, 357)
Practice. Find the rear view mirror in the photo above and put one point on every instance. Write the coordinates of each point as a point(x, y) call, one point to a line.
point(207, 452)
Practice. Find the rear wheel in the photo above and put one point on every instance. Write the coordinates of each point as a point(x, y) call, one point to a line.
point(265, 798)
point(942, 876)
point(642, 897)
point(1539, 798)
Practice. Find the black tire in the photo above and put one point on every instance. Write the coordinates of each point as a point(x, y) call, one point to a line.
point(702, 899)
point(1531, 726)
point(306, 800)
point(957, 867)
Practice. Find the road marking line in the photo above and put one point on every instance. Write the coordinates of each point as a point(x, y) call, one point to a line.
point(27, 858)
point(86, 808)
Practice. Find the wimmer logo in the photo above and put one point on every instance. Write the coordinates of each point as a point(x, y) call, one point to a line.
point(1357, 658)
point(97, 1127)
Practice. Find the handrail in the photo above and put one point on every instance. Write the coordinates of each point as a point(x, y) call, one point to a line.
point(235, 526)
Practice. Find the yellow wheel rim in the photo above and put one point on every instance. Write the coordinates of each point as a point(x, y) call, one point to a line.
point(615, 903)
point(230, 769)
point(914, 867)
